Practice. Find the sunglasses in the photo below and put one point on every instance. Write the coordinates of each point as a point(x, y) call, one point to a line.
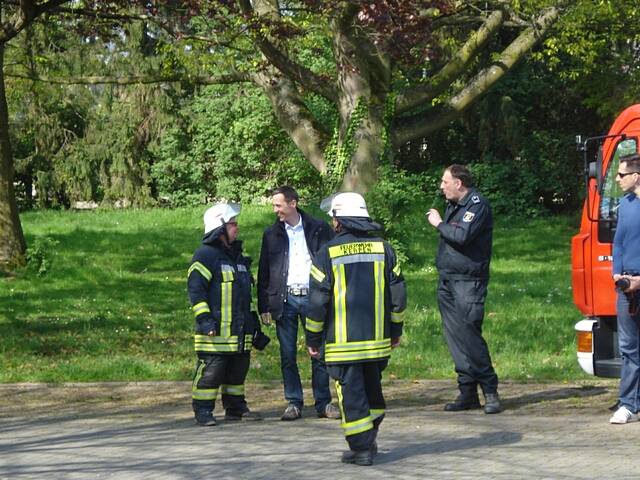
point(623, 174)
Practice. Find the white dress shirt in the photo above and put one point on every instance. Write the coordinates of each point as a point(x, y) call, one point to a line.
point(299, 258)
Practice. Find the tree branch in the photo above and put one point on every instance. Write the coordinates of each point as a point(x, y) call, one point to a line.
point(295, 118)
point(293, 70)
point(238, 77)
point(447, 75)
point(419, 125)
point(28, 11)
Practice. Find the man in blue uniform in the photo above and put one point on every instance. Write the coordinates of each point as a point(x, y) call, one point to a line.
point(219, 286)
point(357, 298)
point(463, 258)
point(626, 271)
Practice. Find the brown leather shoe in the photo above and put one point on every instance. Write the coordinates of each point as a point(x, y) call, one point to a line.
point(330, 411)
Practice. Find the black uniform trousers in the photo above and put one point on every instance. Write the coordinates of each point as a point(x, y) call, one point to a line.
point(461, 305)
point(220, 374)
point(360, 400)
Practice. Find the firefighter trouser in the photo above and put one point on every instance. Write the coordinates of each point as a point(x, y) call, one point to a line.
point(224, 374)
point(361, 401)
point(461, 305)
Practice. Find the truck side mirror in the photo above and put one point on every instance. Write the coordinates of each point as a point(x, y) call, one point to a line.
point(593, 171)
point(598, 162)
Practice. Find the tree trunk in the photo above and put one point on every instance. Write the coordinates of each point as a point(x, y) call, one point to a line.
point(362, 173)
point(364, 76)
point(12, 244)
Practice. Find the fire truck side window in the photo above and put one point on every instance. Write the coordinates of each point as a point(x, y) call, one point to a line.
point(611, 192)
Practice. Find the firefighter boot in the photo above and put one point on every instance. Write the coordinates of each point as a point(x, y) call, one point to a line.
point(205, 418)
point(492, 403)
point(247, 415)
point(463, 402)
point(361, 457)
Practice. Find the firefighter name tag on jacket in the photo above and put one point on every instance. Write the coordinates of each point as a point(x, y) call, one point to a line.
point(356, 248)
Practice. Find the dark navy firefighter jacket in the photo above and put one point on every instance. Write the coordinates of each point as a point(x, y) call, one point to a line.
point(219, 284)
point(357, 299)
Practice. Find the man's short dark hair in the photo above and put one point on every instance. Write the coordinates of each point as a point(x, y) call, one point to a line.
point(288, 192)
point(462, 173)
point(632, 161)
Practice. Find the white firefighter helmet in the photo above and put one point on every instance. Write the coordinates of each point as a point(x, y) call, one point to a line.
point(219, 214)
point(345, 204)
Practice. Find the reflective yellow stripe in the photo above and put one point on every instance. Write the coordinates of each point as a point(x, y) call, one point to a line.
point(199, 308)
point(376, 413)
point(248, 339)
point(202, 393)
point(204, 271)
point(227, 273)
point(205, 343)
point(225, 308)
point(355, 351)
point(235, 390)
point(357, 426)
point(355, 248)
point(378, 276)
point(227, 276)
point(340, 303)
point(397, 317)
point(357, 356)
point(317, 274)
point(313, 326)
point(397, 270)
point(361, 345)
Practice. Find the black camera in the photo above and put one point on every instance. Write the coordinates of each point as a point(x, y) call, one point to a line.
point(259, 340)
point(623, 283)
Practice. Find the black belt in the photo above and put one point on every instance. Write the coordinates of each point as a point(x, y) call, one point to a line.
point(298, 291)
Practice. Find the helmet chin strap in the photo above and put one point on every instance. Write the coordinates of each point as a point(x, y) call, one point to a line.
point(224, 236)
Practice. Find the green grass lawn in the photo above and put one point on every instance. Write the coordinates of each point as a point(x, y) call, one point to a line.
point(111, 302)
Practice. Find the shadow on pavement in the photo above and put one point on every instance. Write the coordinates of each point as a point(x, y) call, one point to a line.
point(514, 403)
point(408, 449)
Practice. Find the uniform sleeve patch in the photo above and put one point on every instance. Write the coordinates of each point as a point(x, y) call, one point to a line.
point(475, 199)
point(468, 216)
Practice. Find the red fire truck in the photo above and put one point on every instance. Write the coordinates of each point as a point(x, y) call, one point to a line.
point(591, 249)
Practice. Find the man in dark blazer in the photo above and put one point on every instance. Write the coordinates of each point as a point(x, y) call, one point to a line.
point(288, 248)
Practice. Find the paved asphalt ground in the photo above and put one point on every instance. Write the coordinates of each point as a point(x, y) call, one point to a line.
point(145, 431)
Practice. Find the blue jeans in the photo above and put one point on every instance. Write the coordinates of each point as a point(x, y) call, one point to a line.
point(629, 344)
point(287, 330)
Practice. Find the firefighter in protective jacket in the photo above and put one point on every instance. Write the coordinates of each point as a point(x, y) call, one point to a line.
point(357, 298)
point(219, 285)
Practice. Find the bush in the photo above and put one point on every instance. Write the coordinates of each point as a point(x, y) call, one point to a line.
point(229, 146)
point(398, 202)
point(40, 255)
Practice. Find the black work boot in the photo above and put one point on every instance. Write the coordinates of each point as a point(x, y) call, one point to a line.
point(205, 418)
point(463, 402)
point(247, 415)
point(361, 457)
point(492, 403)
